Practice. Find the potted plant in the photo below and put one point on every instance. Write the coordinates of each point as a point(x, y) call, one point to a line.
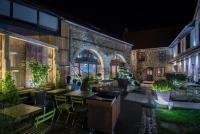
point(163, 90)
point(85, 84)
point(39, 73)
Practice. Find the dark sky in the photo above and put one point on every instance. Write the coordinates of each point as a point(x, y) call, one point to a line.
point(112, 16)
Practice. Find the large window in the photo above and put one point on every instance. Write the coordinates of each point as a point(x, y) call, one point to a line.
point(116, 63)
point(5, 7)
point(87, 63)
point(20, 54)
point(28, 14)
point(48, 21)
point(24, 13)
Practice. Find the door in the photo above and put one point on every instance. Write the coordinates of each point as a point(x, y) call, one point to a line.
point(149, 74)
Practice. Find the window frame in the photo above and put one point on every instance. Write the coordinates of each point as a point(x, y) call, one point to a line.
point(141, 56)
point(162, 73)
point(162, 56)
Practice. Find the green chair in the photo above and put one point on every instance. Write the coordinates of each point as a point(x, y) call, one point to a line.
point(78, 104)
point(41, 125)
point(79, 110)
point(62, 105)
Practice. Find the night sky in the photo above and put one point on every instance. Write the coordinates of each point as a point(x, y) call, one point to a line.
point(112, 16)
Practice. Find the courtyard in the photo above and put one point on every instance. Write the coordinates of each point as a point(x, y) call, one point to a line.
point(103, 67)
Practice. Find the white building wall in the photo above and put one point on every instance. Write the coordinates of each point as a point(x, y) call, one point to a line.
point(196, 67)
point(175, 51)
point(193, 38)
point(189, 67)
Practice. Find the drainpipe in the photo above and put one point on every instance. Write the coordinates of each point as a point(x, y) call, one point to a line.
point(70, 38)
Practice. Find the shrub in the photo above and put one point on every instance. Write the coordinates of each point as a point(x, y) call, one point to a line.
point(39, 73)
point(162, 85)
point(177, 79)
point(8, 89)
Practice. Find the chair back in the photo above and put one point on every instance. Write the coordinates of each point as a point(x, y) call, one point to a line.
point(77, 100)
point(45, 117)
point(40, 99)
point(60, 99)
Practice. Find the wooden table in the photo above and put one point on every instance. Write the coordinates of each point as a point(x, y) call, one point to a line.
point(20, 111)
point(83, 94)
point(56, 91)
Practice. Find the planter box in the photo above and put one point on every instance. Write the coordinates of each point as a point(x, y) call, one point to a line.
point(163, 96)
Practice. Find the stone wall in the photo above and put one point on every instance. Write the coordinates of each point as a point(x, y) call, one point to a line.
point(151, 60)
point(104, 47)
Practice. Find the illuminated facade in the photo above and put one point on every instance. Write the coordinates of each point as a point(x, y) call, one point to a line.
point(185, 49)
point(104, 48)
point(28, 32)
point(151, 63)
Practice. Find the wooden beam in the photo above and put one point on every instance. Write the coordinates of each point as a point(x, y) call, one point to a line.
point(5, 55)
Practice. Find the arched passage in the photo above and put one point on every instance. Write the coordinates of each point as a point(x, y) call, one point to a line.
point(116, 61)
point(88, 62)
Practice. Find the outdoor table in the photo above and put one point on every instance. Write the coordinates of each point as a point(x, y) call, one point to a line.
point(20, 111)
point(56, 91)
point(83, 94)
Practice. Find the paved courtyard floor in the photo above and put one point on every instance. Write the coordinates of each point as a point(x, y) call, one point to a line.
point(128, 122)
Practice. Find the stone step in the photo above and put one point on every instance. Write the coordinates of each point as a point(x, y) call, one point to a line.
point(147, 82)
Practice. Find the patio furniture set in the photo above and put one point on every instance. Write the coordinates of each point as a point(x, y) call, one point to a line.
point(77, 107)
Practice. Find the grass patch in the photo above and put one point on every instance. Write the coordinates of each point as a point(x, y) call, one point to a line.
point(183, 118)
point(186, 117)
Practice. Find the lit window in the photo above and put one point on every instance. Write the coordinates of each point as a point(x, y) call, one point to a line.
point(141, 56)
point(162, 56)
point(160, 71)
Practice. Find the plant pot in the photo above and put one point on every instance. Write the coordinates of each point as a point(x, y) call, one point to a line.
point(163, 96)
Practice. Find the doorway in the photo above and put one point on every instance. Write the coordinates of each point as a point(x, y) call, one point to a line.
point(149, 74)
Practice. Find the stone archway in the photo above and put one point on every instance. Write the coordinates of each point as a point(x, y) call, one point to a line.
point(97, 53)
point(122, 57)
point(116, 61)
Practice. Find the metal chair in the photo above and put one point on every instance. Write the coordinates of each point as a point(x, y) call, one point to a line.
point(79, 111)
point(40, 100)
point(62, 105)
point(41, 125)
